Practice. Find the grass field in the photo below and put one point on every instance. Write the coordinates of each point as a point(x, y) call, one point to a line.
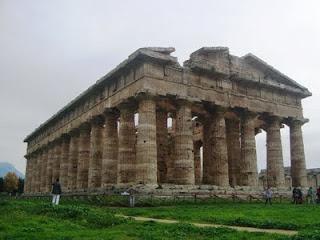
point(37, 219)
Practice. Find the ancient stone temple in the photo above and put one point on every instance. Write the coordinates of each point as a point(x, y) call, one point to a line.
point(151, 121)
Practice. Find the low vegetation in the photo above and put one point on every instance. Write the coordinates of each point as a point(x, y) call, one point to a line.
point(96, 218)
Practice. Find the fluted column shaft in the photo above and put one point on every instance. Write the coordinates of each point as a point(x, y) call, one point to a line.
point(184, 159)
point(216, 158)
point(43, 169)
point(64, 162)
point(197, 163)
point(49, 167)
point(234, 151)
point(96, 149)
point(110, 150)
point(162, 145)
point(36, 173)
point(32, 167)
point(56, 161)
point(275, 168)
point(126, 150)
point(298, 163)
point(83, 157)
point(146, 148)
point(248, 165)
point(26, 188)
point(73, 160)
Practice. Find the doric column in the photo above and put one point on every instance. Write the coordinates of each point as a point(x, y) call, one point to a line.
point(162, 145)
point(215, 163)
point(31, 175)
point(298, 163)
point(36, 172)
point(30, 160)
point(248, 164)
point(234, 152)
point(73, 160)
point(83, 157)
point(197, 162)
point(96, 149)
point(49, 167)
point(275, 168)
point(43, 170)
point(184, 159)
point(64, 162)
point(110, 150)
point(126, 150)
point(56, 161)
point(27, 176)
point(146, 148)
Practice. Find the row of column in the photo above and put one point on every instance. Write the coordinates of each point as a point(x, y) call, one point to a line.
point(100, 154)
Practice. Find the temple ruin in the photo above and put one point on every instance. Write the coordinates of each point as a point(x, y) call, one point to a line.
point(151, 122)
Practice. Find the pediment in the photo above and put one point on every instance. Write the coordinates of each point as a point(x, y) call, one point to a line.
point(270, 72)
point(249, 68)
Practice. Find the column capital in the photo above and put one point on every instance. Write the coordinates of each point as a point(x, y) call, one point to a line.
point(65, 137)
point(130, 106)
point(296, 122)
point(97, 120)
point(74, 132)
point(145, 96)
point(111, 112)
point(85, 127)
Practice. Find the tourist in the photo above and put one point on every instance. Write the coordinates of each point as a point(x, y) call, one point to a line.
point(268, 196)
point(310, 196)
point(295, 195)
point(300, 196)
point(56, 191)
point(318, 195)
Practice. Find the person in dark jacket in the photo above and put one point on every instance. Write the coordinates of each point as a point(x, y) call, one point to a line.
point(56, 191)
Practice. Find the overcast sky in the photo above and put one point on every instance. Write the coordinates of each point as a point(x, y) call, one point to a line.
point(50, 51)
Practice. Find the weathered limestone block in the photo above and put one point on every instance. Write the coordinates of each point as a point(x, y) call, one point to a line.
point(248, 164)
point(83, 157)
point(73, 160)
point(275, 168)
point(96, 149)
point(26, 187)
point(234, 150)
point(64, 162)
point(197, 162)
point(126, 150)
point(110, 150)
point(32, 169)
point(298, 163)
point(162, 145)
point(146, 148)
point(38, 173)
point(56, 161)
point(184, 159)
point(49, 167)
point(216, 158)
point(43, 170)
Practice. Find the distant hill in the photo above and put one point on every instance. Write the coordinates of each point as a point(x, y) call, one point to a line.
point(8, 167)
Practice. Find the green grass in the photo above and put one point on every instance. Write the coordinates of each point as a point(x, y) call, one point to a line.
point(37, 219)
point(283, 216)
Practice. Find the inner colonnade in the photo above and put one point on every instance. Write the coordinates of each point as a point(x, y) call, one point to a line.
point(116, 133)
point(111, 149)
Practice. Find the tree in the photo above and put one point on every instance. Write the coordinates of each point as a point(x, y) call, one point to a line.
point(11, 182)
point(1, 184)
point(20, 185)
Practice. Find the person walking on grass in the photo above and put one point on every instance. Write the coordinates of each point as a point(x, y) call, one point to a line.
point(318, 195)
point(310, 196)
point(268, 196)
point(56, 191)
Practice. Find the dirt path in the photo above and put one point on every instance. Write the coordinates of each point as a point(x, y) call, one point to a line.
point(238, 228)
